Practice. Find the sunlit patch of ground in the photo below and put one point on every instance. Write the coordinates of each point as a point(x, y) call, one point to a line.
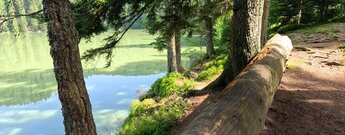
point(311, 100)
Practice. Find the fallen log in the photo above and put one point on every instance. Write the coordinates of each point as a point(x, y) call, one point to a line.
point(242, 108)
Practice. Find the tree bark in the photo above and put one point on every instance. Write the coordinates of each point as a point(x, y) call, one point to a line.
point(172, 63)
point(246, 40)
point(264, 27)
point(299, 16)
point(209, 36)
point(63, 41)
point(178, 50)
point(242, 107)
point(322, 9)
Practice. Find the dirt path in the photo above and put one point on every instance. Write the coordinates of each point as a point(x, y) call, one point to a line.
point(311, 97)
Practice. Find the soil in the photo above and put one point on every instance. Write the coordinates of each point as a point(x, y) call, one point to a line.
point(310, 99)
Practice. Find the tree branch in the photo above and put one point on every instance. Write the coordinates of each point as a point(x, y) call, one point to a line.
point(20, 15)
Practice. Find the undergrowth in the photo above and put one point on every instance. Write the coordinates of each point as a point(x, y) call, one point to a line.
point(150, 117)
point(163, 104)
point(307, 29)
point(160, 108)
point(167, 85)
point(213, 68)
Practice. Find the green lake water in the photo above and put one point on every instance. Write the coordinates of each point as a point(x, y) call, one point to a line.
point(29, 103)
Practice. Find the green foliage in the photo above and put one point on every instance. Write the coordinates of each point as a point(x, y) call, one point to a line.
point(167, 85)
point(186, 86)
point(96, 16)
point(167, 18)
point(339, 18)
point(290, 27)
point(30, 7)
point(196, 56)
point(164, 86)
point(19, 7)
point(149, 117)
point(291, 15)
point(214, 68)
point(328, 28)
point(21, 24)
point(222, 35)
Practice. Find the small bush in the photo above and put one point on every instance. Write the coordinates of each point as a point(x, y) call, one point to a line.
point(156, 119)
point(138, 107)
point(339, 18)
point(209, 73)
point(167, 85)
point(212, 69)
point(164, 86)
point(222, 35)
point(187, 85)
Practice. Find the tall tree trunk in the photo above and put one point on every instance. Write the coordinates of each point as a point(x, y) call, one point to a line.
point(246, 23)
point(209, 36)
point(264, 26)
point(299, 16)
point(63, 40)
point(178, 50)
point(322, 10)
point(172, 63)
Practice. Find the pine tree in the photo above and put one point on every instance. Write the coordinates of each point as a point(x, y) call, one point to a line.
point(64, 40)
point(19, 9)
point(30, 7)
point(3, 11)
point(246, 43)
point(171, 19)
point(12, 23)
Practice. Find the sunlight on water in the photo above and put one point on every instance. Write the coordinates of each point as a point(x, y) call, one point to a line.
point(29, 103)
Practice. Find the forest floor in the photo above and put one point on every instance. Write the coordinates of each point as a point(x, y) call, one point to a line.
point(311, 96)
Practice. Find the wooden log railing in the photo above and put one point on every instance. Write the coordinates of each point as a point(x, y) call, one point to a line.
point(242, 108)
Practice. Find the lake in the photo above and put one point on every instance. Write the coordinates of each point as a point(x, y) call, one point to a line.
point(29, 104)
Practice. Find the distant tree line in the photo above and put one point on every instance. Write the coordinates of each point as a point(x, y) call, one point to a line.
point(21, 24)
point(296, 13)
point(168, 18)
